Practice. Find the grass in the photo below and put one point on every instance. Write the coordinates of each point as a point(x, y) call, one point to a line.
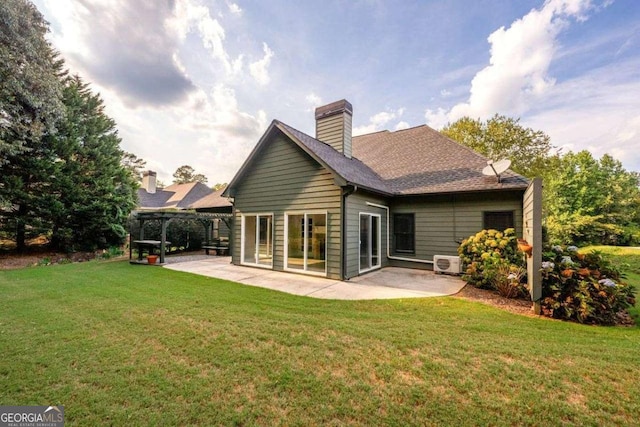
point(119, 344)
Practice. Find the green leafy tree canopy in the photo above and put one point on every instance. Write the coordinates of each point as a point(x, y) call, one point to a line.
point(185, 174)
point(219, 185)
point(503, 137)
point(592, 201)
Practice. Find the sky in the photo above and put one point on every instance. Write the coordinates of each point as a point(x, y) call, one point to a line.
point(197, 82)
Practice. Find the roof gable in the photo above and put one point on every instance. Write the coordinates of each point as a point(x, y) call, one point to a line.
point(344, 170)
point(413, 161)
point(176, 196)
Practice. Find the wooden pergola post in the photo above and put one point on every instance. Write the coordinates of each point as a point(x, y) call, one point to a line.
point(163, 238)
point(165, 217)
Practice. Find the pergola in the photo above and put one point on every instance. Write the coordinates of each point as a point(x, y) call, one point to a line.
point(166, 217)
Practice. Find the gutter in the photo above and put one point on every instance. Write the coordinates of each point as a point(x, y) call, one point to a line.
point(389, 256)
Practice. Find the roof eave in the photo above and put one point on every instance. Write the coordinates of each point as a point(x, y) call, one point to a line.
point(470, 191)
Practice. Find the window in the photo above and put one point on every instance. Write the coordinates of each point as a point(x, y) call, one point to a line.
point(257, 240)
point(306, 246)
point(498, 220)
point(370, 239)
point(404, 235)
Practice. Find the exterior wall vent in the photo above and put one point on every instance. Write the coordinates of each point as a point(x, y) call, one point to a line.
point(446, 264)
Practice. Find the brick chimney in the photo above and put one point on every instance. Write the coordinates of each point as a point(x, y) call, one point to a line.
point(149, 181)
point(333, 125)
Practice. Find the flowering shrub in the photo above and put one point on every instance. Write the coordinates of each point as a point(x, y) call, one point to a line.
point(585, 288)
point(509, 280)
point(485, 253)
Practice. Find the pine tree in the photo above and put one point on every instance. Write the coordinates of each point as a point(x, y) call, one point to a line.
point(29, 86)
point(94, 191)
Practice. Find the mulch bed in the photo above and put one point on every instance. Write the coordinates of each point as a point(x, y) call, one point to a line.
point(520, 306)
point(513, 305)
point(12, 260)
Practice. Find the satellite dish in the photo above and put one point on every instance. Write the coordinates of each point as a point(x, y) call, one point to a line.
point(496, 168)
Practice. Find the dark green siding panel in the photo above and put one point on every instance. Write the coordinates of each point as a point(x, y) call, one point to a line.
point(285, 179)
point(443, 222)
point(355, 204)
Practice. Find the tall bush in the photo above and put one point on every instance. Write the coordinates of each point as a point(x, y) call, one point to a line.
point(585, 288)
point(484, 254)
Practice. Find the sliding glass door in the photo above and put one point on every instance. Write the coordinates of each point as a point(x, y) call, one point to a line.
point(306, 246)
point(257, 240)
point(369, 241)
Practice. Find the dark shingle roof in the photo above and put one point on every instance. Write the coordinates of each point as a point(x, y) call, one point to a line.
point(413, 161)
point(148, 200)
point(352, 170)
point(421, 160)
point(213, 200)
point(176, 196)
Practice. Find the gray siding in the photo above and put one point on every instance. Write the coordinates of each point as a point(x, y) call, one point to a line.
point(336, 131)
point(285, 179)
point(355, 204)
point(441, 222)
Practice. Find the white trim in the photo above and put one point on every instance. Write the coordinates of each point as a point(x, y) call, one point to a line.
point(257, 242)
point(389, 256)
point(370, 255)
point(304, 269)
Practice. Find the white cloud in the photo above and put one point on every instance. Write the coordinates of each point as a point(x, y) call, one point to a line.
point(378, 121)
point(314, 101)
point(234, 8)
point(597, 111)
point(259, 69)
point(437, 119)
point(402, 125)
point(193, 17)
point(517, 74)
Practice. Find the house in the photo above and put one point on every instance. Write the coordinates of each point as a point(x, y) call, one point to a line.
point(339, 206)
point(175, 196)
point(188, 197)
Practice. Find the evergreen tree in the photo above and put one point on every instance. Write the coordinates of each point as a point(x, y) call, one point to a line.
point(30, 106)
point(94, 192)
point(29, 86)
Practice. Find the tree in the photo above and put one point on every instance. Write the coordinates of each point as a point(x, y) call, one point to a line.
point(185, 174)
point(218, 186)
point(592, 201)
point(503, 137)
point(134, 164)
point(93, 191)
point(30, 90)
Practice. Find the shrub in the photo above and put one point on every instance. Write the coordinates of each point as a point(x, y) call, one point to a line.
point(507, 280)
point(585, 288)
point(483, 253)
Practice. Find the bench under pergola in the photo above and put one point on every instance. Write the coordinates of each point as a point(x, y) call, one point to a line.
point(165, 218)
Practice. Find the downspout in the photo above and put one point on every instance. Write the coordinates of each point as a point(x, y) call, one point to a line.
point(343, 225)
point(232, 229)
point(389, 256)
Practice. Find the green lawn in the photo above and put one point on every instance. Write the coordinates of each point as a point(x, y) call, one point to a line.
point(133, 345)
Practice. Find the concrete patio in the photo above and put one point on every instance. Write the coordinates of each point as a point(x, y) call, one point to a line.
point(387, 283)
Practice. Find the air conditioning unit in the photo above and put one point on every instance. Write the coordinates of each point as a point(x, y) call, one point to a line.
point(446, 264)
